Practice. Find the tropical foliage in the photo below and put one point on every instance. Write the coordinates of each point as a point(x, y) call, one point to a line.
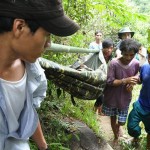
point(109, 16)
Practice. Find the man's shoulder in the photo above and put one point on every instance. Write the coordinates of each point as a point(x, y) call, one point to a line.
point(135, 60)
point(145, 66)
point(34, 68)
point(93, 43)
point(114, 60)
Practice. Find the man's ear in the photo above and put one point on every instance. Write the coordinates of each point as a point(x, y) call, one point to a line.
point(18, 27)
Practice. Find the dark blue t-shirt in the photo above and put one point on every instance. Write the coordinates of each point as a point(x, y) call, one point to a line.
point(144, 98)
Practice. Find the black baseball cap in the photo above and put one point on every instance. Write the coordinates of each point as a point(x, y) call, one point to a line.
point(49, 14)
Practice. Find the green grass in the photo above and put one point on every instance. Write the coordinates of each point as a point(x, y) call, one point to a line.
point(53, 114)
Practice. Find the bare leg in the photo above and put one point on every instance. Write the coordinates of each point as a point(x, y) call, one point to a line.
point(100, 110)
point(114, 126)
point(120, 128)
point(121, 131)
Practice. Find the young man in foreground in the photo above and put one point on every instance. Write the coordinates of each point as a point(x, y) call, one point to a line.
point(25, 28)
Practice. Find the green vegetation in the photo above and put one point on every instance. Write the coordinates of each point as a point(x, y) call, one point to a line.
point(57, 112)
point(108, 16)
point(57, 115)
point(142, 5)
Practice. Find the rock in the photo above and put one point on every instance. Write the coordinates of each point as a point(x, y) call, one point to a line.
point(85, 139)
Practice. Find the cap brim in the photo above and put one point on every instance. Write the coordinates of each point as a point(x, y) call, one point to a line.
point(60, 26)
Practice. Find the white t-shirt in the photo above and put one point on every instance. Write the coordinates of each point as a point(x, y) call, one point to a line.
point(15, 95)
point(94, 45)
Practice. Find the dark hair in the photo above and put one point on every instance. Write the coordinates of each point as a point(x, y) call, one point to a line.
point(32, 25)
point(140, 45)
point(129, 45)
point(6, 24)
point(107, 43)
point(98, 31)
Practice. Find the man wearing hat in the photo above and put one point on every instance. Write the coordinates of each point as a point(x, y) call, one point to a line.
point(25, 28)
point(124, 33)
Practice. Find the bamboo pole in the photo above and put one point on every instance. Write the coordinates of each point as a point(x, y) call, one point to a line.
point(69, 49)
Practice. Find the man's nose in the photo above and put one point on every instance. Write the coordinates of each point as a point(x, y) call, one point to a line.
point(127, 37)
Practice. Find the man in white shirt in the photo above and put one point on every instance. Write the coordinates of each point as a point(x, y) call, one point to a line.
point(97, 44)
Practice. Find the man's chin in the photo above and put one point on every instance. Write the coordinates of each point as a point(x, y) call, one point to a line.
point(31, 60)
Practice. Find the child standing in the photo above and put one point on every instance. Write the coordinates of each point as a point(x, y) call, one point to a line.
point(120, 80)
point(141, 108)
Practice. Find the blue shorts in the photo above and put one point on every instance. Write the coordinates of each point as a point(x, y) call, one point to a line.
point(122, 114)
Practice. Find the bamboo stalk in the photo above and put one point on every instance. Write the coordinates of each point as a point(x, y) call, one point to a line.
point(69, 49)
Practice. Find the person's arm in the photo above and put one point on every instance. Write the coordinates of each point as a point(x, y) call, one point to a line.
point(112, 81)
point(117, 82)
point(39, 139)
point(130, 80)
point(38, 96)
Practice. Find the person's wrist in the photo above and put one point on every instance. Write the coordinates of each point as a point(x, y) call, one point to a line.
point(123, 81)
point(44, 147)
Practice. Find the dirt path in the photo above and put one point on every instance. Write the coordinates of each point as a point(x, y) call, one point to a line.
point(105, 127)
point(107, 131)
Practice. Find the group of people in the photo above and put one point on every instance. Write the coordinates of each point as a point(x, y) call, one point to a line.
point(123, 73)
point(25, 28)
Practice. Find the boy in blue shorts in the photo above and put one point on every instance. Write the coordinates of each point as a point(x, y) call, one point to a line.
point(141, 108)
